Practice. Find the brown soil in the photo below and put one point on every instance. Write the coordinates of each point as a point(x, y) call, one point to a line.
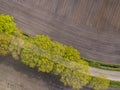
point(96, 37)
point(16, 76)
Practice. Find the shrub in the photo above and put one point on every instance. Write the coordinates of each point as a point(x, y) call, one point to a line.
point(99, 82)
point(5, 41)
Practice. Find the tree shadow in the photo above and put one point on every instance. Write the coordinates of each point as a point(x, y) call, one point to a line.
point(51, 81)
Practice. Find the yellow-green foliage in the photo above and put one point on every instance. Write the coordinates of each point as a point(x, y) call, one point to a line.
point(71, 54)
point(58, 69)
point(56, 58)
point(30, 55)
point(9, 35)
point(5, 41)
point(43, 42)
point(57, 49)
point(75, 75)
point(45, 64)
point(99, 82)
point(15, 47)
point(7, 24)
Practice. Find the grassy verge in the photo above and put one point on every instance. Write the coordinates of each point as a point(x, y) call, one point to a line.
point(115, 84)
point(101, 65)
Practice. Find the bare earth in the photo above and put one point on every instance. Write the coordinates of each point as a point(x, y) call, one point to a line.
point(16, 76)
point(101, 45)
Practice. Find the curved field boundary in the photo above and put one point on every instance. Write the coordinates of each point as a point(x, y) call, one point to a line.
point(101, 45)
point(102, 65)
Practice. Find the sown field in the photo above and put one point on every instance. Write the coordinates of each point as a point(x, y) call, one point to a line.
point(91, 27)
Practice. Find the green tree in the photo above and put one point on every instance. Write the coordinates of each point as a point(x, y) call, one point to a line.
point(15, 47)
point(5, 41)
point(59, 65)
point(75, 75)
point(7, 25)
point(57, 49)
point(99, 82)
point(45, 64)
point(72, 54)
point(30, 55)
point(43, 42)
point(58, 69)
point(57, 52)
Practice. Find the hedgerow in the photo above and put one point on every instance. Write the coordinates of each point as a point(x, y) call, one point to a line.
point(115, 84)
point(44, 54)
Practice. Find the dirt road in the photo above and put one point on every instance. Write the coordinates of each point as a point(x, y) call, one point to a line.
point(101, 45)
point(112, 75)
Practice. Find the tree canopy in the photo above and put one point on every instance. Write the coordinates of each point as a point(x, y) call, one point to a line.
point(7, 25)
point(5, 41)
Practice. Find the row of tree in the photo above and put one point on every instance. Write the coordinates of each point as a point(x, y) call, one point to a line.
point(47, 56)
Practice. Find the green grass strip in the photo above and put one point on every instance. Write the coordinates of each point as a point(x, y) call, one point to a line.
point(115, 84)
point(102, 65)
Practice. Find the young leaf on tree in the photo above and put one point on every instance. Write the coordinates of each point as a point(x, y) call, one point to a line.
point(7, 25)
point(5, 41)
point(99, 82)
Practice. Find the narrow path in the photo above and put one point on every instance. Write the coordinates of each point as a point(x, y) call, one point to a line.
point(112, 75)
